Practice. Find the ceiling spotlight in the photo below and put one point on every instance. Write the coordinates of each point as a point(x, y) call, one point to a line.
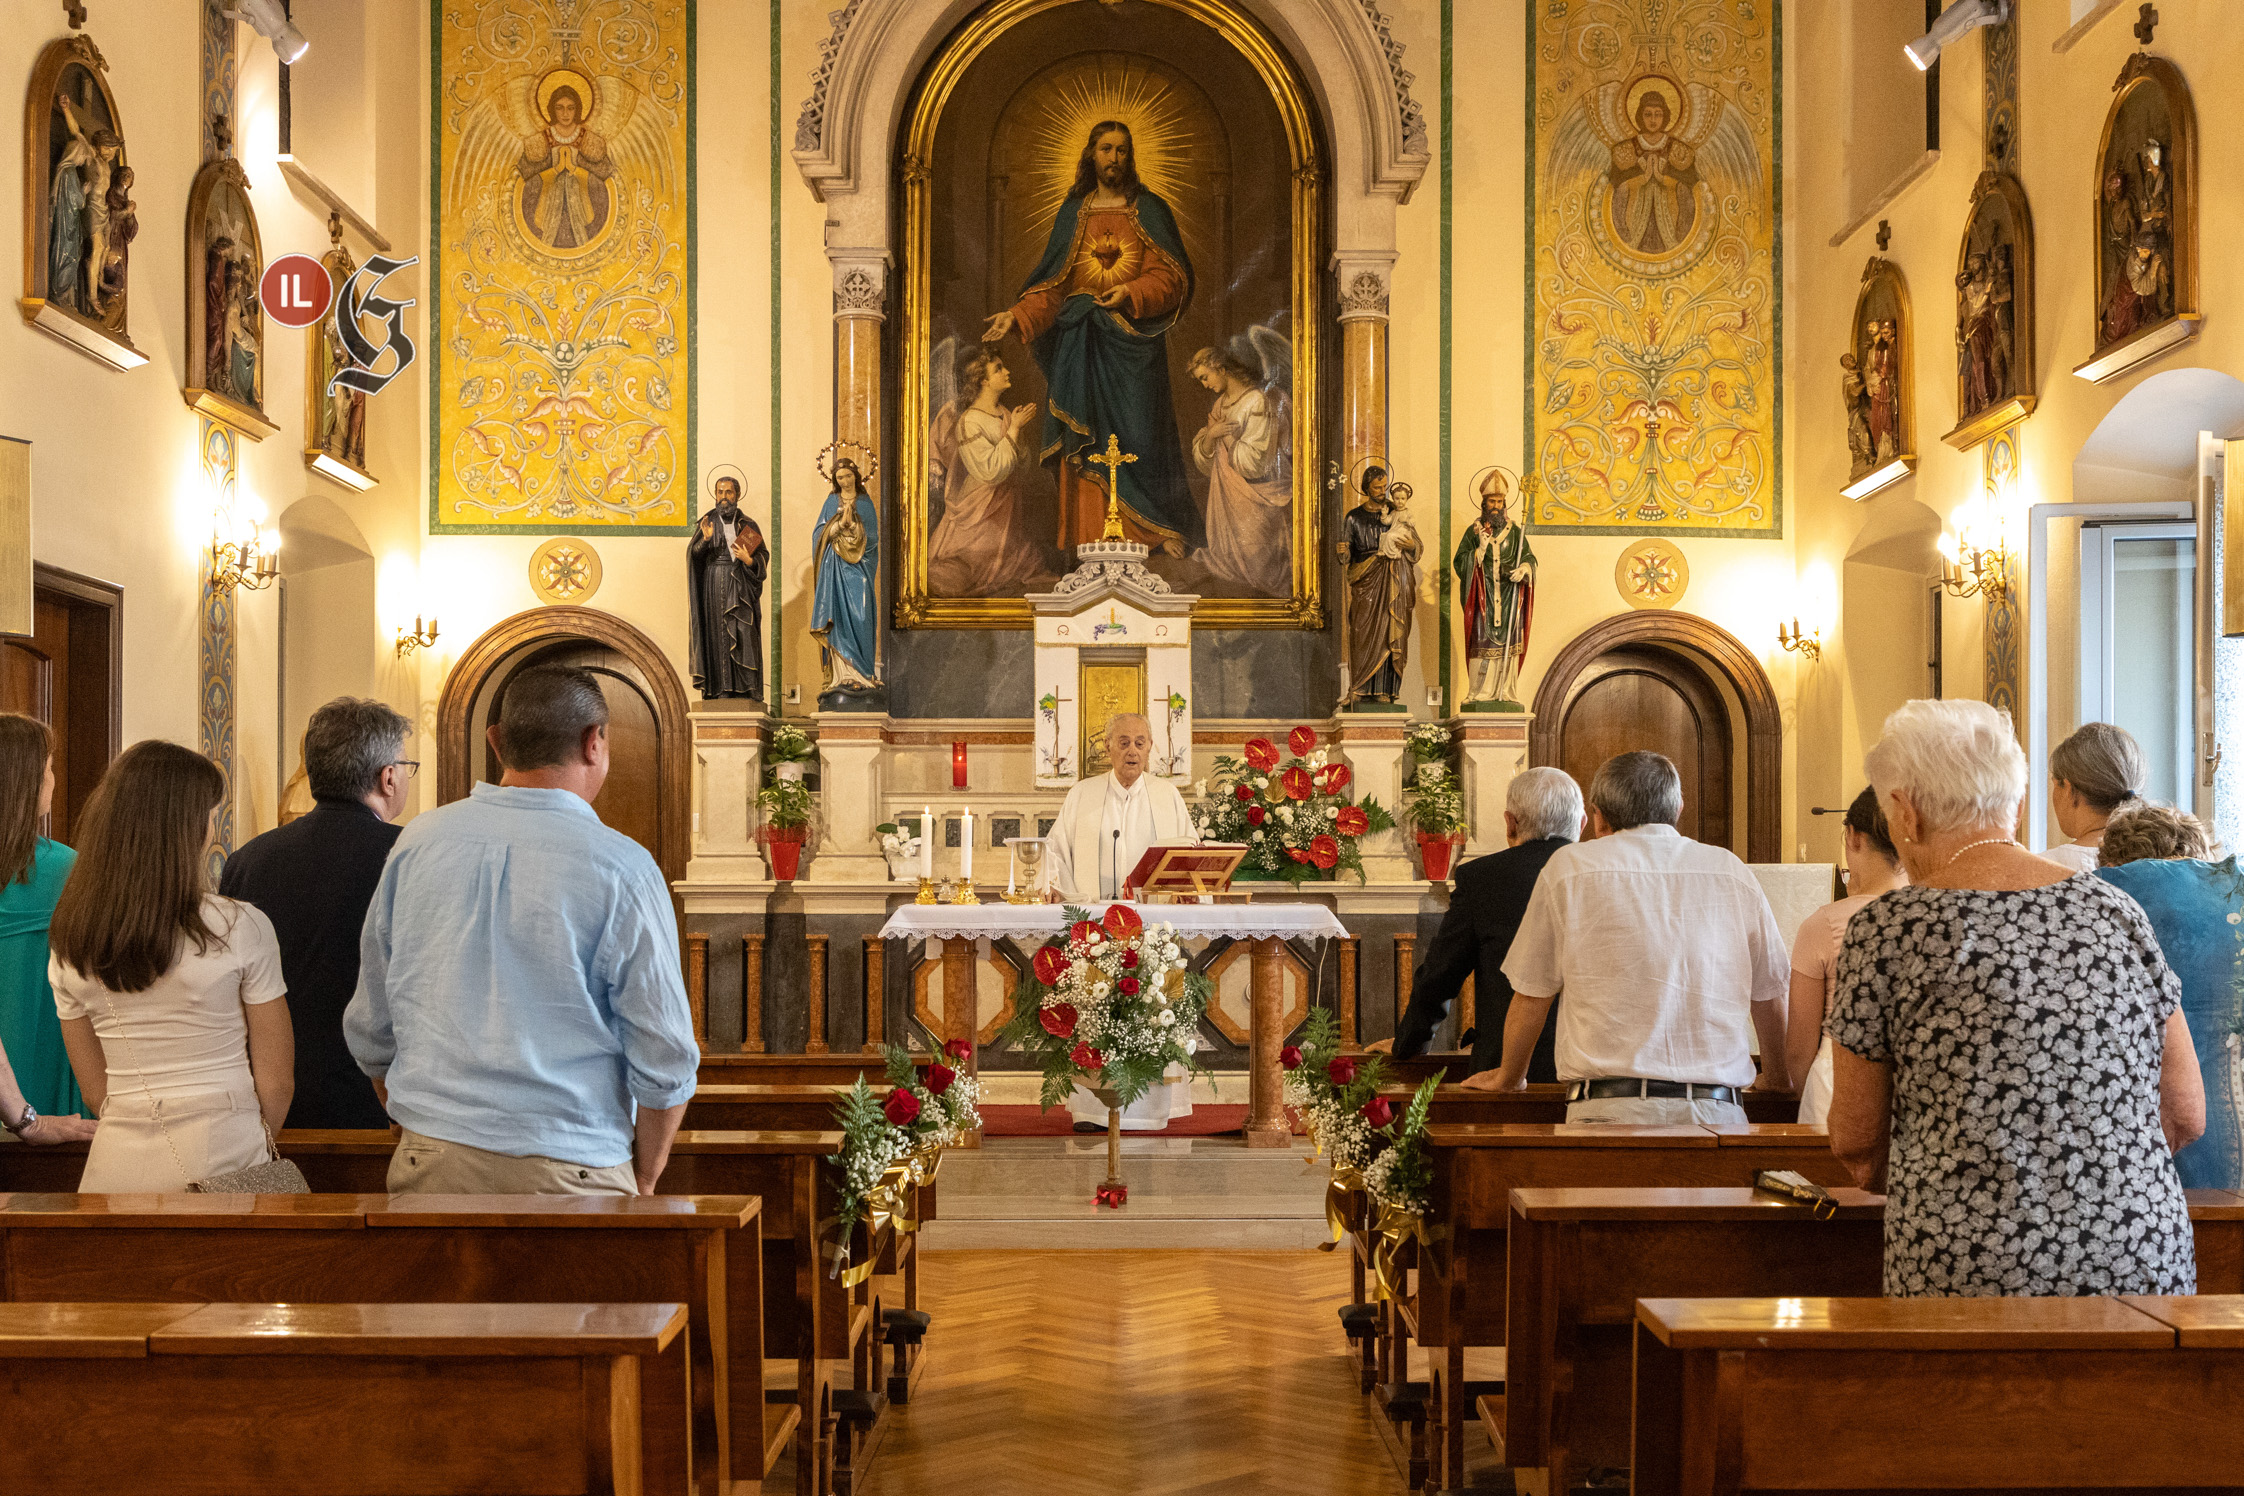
point(1963, 16)
point(268, 20)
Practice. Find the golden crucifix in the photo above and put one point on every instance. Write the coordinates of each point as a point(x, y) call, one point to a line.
point(1112, 460)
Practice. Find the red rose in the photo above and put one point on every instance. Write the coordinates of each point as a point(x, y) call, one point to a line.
point(1122, 921)
point(1262, 755)
point(1081, 931)
point(1342, 1070)
point(1297, 784)
point(1244, 792)
point(1256, 815)
point(1058, 1020)
point(1129, 986)
point(959, 1049)
point(1050, 965)
point(902, 1107)
point(1088, 1058)
point(1333, 778)
point(1324, 851)
point(1351, 821)
point(1303, 741)
point(1129, 960)
point(1290, 1057)
point(1379, 1111)
point(939, 1078)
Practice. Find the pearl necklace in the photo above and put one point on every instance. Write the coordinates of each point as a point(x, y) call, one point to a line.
point(1992, 841)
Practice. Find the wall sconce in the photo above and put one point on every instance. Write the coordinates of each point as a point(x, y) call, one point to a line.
point(1807, 644)
point(420, 638)
point(248, 564)
point(1968, 570)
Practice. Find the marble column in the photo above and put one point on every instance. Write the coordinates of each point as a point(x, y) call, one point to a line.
point(860, 302)
point(1491, 749)
point(1363, 386)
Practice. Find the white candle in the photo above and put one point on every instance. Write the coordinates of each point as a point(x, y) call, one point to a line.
point(966, 846)
point(927, 842)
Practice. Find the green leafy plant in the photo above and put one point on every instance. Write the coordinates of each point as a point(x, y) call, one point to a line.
point(790, 745)
point(1434, 802)
point(785, 804)
point(1427, 741)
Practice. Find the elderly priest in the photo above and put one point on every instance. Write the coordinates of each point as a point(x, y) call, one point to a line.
point(1105, 825)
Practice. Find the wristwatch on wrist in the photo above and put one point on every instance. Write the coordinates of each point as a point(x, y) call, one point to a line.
point(29, 1119)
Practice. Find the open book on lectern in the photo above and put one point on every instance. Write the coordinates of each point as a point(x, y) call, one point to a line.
point(1203, 867)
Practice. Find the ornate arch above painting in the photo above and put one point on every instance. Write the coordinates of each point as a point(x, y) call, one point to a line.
point(2144, 206)
point(1710, 645)
point(225, 321)
point(79, 219)
point(1880, 388)
point(1222, 247)
point(503, 645)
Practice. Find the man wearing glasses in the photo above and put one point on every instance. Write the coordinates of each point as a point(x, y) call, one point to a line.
point(314, 878)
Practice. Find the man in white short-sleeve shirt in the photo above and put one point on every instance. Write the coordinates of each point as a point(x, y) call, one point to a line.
point(1668, 957)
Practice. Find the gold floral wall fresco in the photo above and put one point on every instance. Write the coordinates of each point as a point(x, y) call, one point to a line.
point(1654, 309)
point(563, 265)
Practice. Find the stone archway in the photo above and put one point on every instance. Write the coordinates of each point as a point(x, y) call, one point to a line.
point(1709, 646)
point(509, 644)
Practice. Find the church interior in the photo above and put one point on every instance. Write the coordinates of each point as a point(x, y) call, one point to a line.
point(1051, 492)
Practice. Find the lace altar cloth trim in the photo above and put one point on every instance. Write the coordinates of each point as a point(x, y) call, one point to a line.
point(1034, 921)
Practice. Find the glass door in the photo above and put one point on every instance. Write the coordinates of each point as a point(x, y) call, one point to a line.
point(2138, 657)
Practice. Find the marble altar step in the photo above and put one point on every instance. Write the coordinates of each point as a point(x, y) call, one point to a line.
point(1184, 1192)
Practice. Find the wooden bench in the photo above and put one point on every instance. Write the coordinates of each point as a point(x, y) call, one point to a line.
point(839, 1069)
point(454, 1249)
point(366, 1399)
point(1884, 1394)
point(1458, 1298)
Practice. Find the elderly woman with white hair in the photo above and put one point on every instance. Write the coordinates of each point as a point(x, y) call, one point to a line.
point(2010, 1061)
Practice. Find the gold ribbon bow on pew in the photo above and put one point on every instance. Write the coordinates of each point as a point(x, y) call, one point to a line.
point(1346, 1180)
point(1397, 1226)
point(886, 1201)
point(919, 1170)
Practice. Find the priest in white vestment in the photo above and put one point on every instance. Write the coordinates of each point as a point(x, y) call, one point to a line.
point(1105, 825)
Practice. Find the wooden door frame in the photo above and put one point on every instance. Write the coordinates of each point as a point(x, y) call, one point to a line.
point(1710, 644)
point(92, 592)
point(455, 729)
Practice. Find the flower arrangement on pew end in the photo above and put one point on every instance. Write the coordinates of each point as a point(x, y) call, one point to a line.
point(892, 1144)
point(1293, 813)
point(1108, 1003)
point(1372, 1148)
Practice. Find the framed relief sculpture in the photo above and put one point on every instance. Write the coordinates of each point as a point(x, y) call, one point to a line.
point(225, 320)
point(2145, 220)
point(1878, 384)
point(1994, 312)
point(78, 215)
point(1111, 231)
point(334, 417)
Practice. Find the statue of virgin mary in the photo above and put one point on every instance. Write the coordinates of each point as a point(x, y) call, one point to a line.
point(846, 561)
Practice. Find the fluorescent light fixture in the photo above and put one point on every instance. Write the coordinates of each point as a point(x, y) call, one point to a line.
point(1963, 16)
point(268, 20)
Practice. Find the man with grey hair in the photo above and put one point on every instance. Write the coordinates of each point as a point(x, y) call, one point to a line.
point(1542, 813)
point(313, 878)
point(1668, 956)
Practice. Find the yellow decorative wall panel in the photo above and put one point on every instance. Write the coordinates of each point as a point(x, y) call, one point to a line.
point(1655, 307)
point(561, 385)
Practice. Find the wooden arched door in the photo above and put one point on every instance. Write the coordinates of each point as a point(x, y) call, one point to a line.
point(1664, 681)
point(647, 794)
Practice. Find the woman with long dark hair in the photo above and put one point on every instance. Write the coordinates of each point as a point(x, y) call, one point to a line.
point(171, 997)
point(32, 870)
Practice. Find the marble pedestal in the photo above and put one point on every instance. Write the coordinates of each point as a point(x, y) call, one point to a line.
point(728, 749)
point(1492, 747)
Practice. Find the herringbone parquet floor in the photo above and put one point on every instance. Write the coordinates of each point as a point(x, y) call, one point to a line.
point(1134, 1374)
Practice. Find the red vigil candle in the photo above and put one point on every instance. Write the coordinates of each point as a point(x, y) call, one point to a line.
point(958, 764)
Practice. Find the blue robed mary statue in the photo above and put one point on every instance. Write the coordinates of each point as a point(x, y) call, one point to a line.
point(1096, 313)
point(846, 552)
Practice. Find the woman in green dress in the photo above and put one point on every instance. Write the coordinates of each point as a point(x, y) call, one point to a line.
point(32, 870)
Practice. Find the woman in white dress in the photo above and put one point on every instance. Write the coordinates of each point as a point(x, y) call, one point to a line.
point(2091, 775)
point(171, 997)
point(1245, 450)
point(1873, 867)
point(982, 547)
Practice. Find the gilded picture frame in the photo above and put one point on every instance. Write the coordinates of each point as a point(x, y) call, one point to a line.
point(1880, 389)
point(1994, 312)
point(918, 604)
point(72, 126)
point(225, 352)
point(2143, 220)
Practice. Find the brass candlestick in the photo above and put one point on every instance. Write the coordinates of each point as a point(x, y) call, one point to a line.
point(926, 892)
point(965, 893)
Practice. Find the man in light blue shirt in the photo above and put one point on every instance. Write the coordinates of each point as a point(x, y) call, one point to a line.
point(518, 992)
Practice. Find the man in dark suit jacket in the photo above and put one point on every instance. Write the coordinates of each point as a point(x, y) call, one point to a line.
point(1542, 812)
point(314, 878)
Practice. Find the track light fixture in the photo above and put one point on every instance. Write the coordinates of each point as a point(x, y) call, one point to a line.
point(1963, 16)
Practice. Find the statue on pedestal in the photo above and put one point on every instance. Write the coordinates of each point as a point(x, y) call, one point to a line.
point(845, 550)
point(1495, 569)
point(1383, 554)
point(725, 564)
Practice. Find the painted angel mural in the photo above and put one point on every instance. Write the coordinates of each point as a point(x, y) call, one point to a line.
point(1246, 450)
point(565, 153)
point(1657, 157)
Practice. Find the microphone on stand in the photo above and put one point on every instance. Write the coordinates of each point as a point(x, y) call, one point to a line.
point(1116, 858)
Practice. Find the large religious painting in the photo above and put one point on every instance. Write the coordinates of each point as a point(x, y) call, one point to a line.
point(1994, 312)
point(2146, 219)
point(1877, 384)
point(1110, 269)
point(562, 262)
point(225, 318)
point(79, 216)
point(1655, 323)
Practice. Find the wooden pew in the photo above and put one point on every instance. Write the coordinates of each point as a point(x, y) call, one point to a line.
point(366, 1399)
point(1458, 1299)
point(460, 1249)
point(1579, 1259)
point(2043, 1394)
point(838, 1069)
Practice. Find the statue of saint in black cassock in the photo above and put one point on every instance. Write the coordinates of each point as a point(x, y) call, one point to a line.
point(725, 565)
